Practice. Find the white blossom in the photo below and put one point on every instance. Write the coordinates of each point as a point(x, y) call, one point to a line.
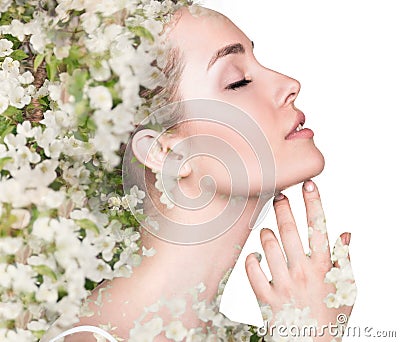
point(5, 278)
point(5, 47)
point(9, 311)
point(4, 103)
point(4, 5)
point(100, 98)
point(177, 306)
point(100, 71)
point(175, 331)
point(148, 252)
point(19, 98)
point(62, 51)
point(146, 332)
point(26, 130)
point(10, 245)
point(41, 229)
point(22, 276)
point(47, 293)
point(22, 217)
point(10, 192)
point(90, 22)
point(38, 41)
point(101, 39)
point(109, 7)
point(39, 325)
point(17, 29)
point(134, 198)
point(10, 66)
point(346, 292)
point(26, 78)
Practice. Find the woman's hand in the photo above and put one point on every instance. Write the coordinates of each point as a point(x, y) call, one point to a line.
point(305, 289)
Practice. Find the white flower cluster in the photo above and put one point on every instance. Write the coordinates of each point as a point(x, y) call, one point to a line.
point(342, 277)
point(16, 89)
point(288, 316)
point(216, 326)
point(165, 184)
point(72, 73)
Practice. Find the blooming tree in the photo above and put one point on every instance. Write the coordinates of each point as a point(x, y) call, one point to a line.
point(76, 76)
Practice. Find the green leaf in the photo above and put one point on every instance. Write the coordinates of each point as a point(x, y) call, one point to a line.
point(11, 111)
point(45, 271)
point(142, 32)
point(77, 82)
point(62, 292)
point(88, 225)
point(52, 64)
point(74, 59)
point(18, 55)
point(91, 125)
point(38, 60)
point(56, 185)
point(81, 111)
point(255, 338)
point(6, 127)
point(5, 18)
point(4, 161)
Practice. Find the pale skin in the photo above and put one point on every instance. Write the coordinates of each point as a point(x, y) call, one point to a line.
point(269, 98)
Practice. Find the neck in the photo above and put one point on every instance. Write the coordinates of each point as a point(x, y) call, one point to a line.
point(183, 267)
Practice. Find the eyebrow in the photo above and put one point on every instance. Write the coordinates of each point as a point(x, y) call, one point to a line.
point(236, 48)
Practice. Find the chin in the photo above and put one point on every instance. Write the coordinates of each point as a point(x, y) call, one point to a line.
point(289, 176)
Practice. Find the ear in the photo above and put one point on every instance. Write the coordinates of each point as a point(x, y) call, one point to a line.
point(151, 148)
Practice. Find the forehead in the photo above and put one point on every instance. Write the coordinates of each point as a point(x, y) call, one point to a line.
point(199, 35)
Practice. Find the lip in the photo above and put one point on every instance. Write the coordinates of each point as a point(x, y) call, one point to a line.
point(305, 133)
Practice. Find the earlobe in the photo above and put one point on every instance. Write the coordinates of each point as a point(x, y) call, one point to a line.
point(185, 170)
point(152, 149)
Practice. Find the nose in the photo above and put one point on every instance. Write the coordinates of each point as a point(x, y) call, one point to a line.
point(287, 89)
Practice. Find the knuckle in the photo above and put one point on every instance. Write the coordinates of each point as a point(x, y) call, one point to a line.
point(323, 265)
point(263, 298)
point(299, 275)
point(288, 227)
point(268, 241)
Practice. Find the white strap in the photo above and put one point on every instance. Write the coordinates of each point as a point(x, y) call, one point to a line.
point(85, 328)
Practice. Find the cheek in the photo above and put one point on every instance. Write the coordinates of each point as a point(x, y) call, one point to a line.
point(239, 165)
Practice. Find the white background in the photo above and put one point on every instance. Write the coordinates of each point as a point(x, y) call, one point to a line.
point(346, 55)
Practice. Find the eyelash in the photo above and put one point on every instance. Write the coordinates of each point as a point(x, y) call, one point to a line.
point(235, 85)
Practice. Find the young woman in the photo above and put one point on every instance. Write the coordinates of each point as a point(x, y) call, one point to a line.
point(215, 63)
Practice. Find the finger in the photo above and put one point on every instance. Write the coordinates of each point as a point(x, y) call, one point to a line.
point(275, 257)
point(317, 237)
point(288, 231)
point(340, 253)
point(258, 280)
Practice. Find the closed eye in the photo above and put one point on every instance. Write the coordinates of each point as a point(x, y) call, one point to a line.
point(235, 85)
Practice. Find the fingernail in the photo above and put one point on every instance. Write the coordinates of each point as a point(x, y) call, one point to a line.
point(258, 256)
point(309, 186)
point(347, 239)
point(279, 197)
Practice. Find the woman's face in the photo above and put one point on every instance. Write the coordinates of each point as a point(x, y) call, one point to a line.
point(219, 64)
